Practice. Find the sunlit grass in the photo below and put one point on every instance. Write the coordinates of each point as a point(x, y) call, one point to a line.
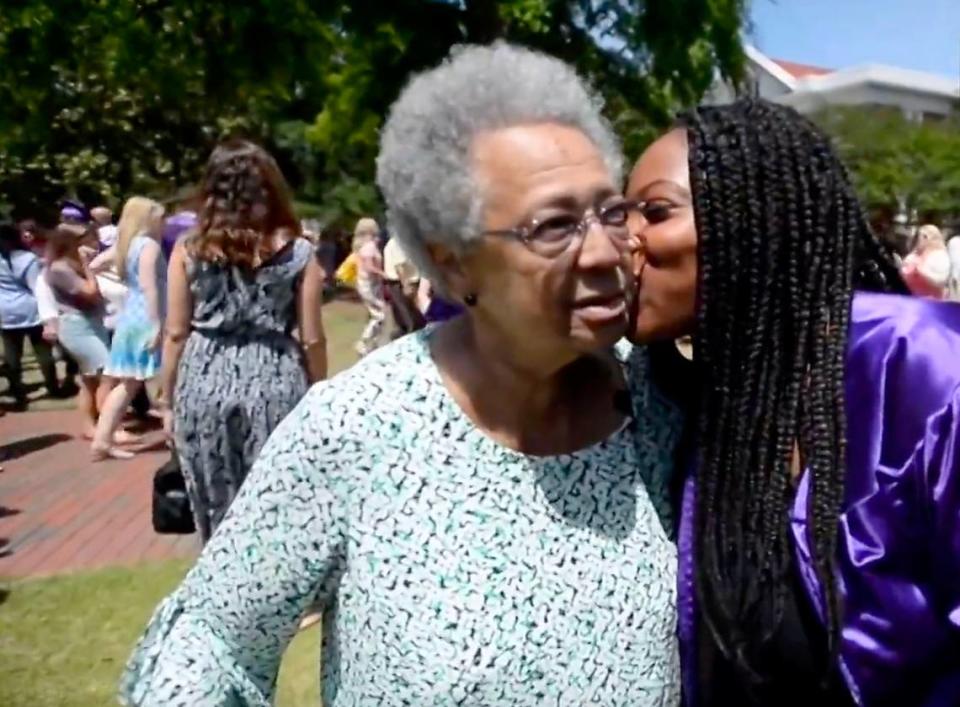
point(64, 640)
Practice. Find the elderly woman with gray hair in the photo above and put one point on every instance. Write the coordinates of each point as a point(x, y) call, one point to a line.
point(468, 504)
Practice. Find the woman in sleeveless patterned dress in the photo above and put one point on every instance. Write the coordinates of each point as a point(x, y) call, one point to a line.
point(239, 287)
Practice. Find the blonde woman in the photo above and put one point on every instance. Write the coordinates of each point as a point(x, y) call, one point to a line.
point(369, 283)
point(926, 269)
point(135, 350)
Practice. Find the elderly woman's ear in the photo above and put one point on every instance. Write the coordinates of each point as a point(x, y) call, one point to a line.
point(456, 282)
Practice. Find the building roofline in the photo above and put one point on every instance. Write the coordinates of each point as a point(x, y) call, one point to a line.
point(878, 74)
point(770, 66)
point(801, 71)
point(875, 74)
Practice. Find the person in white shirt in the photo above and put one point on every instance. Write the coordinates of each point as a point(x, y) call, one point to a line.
point(953, 250)
point(400, 283)
point(926, 270)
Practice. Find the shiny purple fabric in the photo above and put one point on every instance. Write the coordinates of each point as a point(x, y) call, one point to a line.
point(899, 553)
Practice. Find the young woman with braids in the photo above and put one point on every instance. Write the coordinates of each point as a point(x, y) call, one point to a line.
point(819, 530)
point(239, 286)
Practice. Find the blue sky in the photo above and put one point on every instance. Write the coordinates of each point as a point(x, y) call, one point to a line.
point(913, 34)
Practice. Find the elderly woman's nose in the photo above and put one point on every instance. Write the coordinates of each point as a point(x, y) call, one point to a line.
point(599, 249)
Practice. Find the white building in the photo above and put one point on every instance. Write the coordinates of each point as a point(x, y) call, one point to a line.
point(919, 95)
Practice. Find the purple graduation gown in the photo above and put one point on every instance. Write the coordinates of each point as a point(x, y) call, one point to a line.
point(899, 549)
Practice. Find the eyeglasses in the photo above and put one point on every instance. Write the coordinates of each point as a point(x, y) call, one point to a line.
point(554, 235)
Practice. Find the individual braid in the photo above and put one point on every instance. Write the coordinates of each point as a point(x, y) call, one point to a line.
point(246, 203)
point(783, 242)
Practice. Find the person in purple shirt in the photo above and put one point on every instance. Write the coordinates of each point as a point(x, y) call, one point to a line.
point(819, 526)
point(435, 308)
point(174, 227)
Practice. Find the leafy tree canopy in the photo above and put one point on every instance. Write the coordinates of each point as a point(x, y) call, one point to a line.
point(102, 98)
point(897, 162)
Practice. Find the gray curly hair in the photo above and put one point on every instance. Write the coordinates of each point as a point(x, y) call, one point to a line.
point(424, 169)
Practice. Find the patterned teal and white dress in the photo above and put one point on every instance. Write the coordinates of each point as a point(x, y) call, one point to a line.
point(451, 570)
point(130, 353)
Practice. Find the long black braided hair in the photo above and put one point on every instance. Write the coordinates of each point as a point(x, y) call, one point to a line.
point(783, 243)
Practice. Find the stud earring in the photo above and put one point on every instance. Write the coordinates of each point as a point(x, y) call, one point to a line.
point(470, 300)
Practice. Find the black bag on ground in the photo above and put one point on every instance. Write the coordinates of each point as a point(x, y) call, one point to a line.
point(171, 504)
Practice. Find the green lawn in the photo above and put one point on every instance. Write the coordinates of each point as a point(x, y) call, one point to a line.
point(64, 640)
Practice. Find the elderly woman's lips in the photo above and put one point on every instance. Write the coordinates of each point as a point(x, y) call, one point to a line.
point(601, 308)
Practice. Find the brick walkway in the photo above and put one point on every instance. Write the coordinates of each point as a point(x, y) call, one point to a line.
point(60, 512)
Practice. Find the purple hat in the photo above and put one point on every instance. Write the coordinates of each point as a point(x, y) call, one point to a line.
point(174, 227)
point(75, 211)
point(72, 212)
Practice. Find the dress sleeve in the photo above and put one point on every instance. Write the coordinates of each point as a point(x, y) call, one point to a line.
point(218, 639)
point(46, 300)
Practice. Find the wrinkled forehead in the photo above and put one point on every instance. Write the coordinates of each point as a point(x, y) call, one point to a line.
point(525, 165)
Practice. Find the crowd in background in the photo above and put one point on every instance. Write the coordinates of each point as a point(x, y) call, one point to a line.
point(92, 293)
point(66, 288)
point(153, 313)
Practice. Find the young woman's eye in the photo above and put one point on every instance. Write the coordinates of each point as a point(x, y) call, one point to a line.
point(657, 212)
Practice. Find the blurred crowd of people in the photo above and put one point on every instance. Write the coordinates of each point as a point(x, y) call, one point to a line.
point(80, 291)
point(385, 277)
point(207, 316)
